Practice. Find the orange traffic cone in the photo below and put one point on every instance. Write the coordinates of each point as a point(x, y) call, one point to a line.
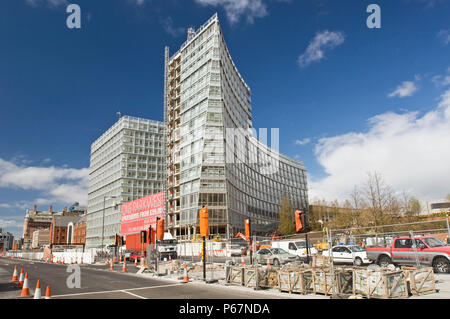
point(14, 277)
point(71, 259)
point(25, 288)
point(20, 284)
point(81, 261)
point(48, 295)
point(242, 260)
point(268, 262)
point(135, 262)
point(115, 260)
point(37, 292)
point(111, 267)
point(124, 267)
point(185, 276)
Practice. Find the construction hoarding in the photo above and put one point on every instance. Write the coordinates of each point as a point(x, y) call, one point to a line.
point(139, 215)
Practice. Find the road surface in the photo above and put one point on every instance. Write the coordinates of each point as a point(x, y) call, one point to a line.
point(98, 282)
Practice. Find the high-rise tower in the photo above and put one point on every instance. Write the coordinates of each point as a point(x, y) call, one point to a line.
point(212, 156)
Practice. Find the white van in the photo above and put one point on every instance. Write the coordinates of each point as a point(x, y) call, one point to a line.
point(296, 247)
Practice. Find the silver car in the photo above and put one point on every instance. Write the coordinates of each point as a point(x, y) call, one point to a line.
point(275, 256)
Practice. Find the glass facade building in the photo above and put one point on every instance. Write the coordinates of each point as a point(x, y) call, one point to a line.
point(213, 156)
point(127, 163)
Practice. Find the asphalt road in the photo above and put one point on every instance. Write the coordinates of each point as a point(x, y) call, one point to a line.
point(98, 282)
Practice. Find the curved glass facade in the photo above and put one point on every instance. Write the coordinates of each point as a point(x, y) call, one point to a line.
point(214, 157)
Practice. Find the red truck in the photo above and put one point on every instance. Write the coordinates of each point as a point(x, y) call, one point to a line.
point(429, 251)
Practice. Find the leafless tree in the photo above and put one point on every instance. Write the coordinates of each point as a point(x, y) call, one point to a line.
point(382, 203)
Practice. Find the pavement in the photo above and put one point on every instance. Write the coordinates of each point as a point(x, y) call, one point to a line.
point(98, 282)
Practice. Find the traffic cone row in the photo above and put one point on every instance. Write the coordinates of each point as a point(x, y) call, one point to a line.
point(23, 283)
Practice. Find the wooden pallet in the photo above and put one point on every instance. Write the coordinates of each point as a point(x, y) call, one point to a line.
point(235, 275)
point(421, 280)
point(380, 284)
point(260, 277)
point(322, 281)
point(296, 281)
point(343, 280)
point(251, 277)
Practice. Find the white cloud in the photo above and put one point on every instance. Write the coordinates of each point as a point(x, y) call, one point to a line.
point(444, 36)
point(410, 151)
point(407, 88)
point(234, 9)
point(10, 223)
point(303, 141)
point(170, 29)
point(59, 185)
point(4, 205)
point(315, 51)
point(441, 80)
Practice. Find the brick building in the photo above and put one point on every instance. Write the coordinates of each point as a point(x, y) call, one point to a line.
point(41, 238)
point(36, 220)
point(79, 231)
point(62, 230)
point(40, 220)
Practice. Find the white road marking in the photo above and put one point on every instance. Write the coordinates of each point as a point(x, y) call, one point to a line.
point(118, 290)
point(127, 292)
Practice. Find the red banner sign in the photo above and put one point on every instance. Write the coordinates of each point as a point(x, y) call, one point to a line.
point(140, 214)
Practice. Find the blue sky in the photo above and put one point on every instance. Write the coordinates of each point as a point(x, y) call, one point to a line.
point(347, 99)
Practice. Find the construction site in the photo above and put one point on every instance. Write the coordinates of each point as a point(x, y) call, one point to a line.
point(356, 263)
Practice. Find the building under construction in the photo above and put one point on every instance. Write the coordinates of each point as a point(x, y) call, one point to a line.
point(213, 156)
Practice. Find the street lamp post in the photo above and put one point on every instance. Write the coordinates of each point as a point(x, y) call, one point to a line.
point(103, 222)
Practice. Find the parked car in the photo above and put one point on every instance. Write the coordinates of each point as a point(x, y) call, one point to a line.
point(295, 247)
point(275, 256)
point(348, 254)
point(136, 255)
point(429, 251)
point(236, 250)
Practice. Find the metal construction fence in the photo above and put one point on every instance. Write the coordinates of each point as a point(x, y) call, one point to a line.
point(220, 253)
point(373, 236)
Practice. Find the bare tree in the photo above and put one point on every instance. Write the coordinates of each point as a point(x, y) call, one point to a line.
point(382, 203)
point(405, 200)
